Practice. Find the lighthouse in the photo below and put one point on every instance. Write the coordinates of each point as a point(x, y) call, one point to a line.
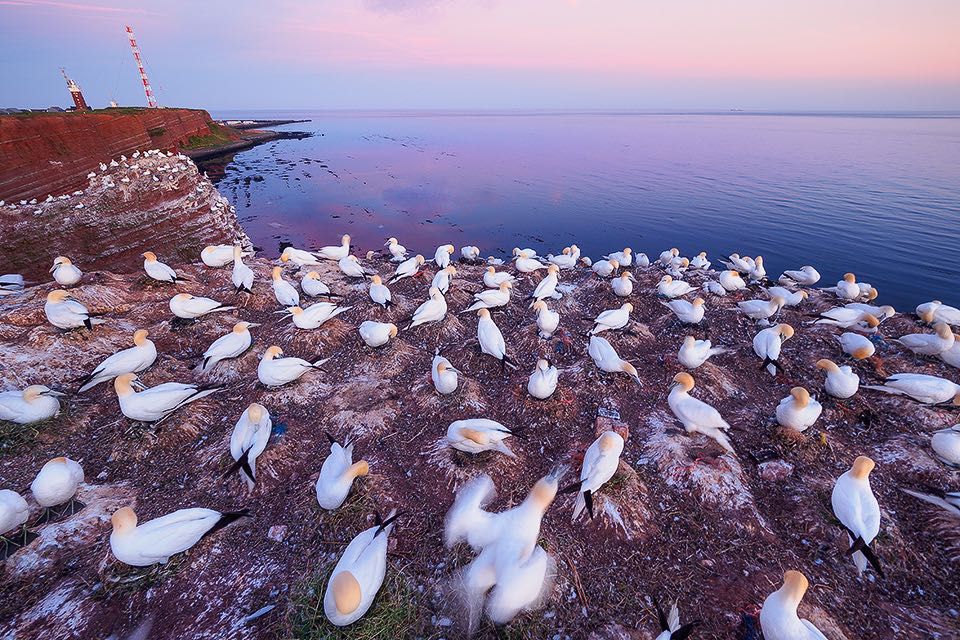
point(75, 92)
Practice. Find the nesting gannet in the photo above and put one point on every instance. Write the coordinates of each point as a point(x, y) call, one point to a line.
point(441, 257)
point(757, 273)
point(443, 374)
point(798, 411)
point(612, 319)
point(714, 288)
point(274, 371)
point(379, 292)
point(623, 285)
point(600, 462)
point(151, 404)
point(547, 320)
point(298, 257)
point(492, 279)
point(790, 298)
point(700, 261)
point(668, 255)
point(528, 265)
point(33, 404)
point(687, 312)
point(358, 574)
point(857, 345)
point(56, 484)
point(64, 312)
point(731, 281)
point(936, 311)
point(336, 252)
point(846, 289)
point(188, 307)
point(219, 255)
point(10, 283)
point(134, 359)
point(778, 617)
point(398, 252)
point(920, 387)
point(547, 288)
point(697, 416)
point(858, 511)
point(881, 313)
point(442, 279)
point(677, 268)
point(623, 258)
point(761, 309)
point(377, 334)
point(315, 315)
point(952, 355)
point(607, 359)
point(491, 339)
point(65, 272)
point(313, 286)
point(491, 298)
point(477, 435)
point(804, 277)
point(407, 268)
point(946, 444)
point(670, 288)
point(286, 294)
point(694, 353)
point(768, 343)
point(470, 253)
point(14, 513)
point(735, 263)
point(156, 540)
point(249, 439)
point(432, 310)
point(231, 345)
point(242, 275)
point(158, 270)
point(523, 253)
point(543, 380)
point(338, 473)
point(605, 268)
point(350, 266)
point(841, 382)
point(926, 344)
point(566, 260)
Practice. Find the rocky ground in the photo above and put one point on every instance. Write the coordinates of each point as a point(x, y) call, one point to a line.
point(680, 520)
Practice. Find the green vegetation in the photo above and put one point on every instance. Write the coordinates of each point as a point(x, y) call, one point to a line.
point(156, 132)
point(14, 436)
point(112, 111)
point(123, 580)
point(219, 135)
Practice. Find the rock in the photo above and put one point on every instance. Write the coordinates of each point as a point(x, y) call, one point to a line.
point(775, 470)
point(277, 533)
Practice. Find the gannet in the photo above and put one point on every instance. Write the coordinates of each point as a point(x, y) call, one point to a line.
point(694, 353)
point(523, 253)
point(528, 265)
point(441, 256)
point(249, 439)
point(600, 462)
point(33, 404)
point(758, 273)
point(156, 540)
point(188, 307)
point(623, 258)
point(790, 298)
point(491, 339)
point(670, 288)
point(697, 416)
point(64, 312)
point(606, 358)
point(285, 292)
point(778, 617)
point(242, 275)
point(731, 281)
point(336, 252)
point(714, 288)
point(670, 628)
point(442, 279)
point(14, 512)
point(274, 371)
point(848, 318)
point(798, 411)
point(700, 261)
point(398, 252)
point(946, 444)
point(231, 345)
point(605, 268)
point(566, 260)
point(477, 435)
point(847, 289)
point(315, 315)
point(10, 283)
point(735, 263)
point(547, 288)
point(491, 298)
point(56, 484)
point(952, 355)
point(921, 387)
point(313, 286)
point(358, 574)
point(857, 345)
point(804, 277)
point(858, 511)
point(686, 312)
point(65, 272)
point(547, 320)
point(135, 359)
point(492, 260)
point(841, 382)
point(493, 279)
point(432, 310)
point(158, 270)
point(612, 319)
point(761, 309)
point(926, 344)
point(881, 313)
point(470, 253)
point(338, 473)
point(218, 255)
point(767, 344)
point(936, 311)
point(677, 268)
point(641, 260)
point(407, 268)
point(668, 255)
point(623, 285)
point(377, 334)
point(350, 266)
point(443, 374)
point(298, 257)
point(543, 380)
point(151, 404)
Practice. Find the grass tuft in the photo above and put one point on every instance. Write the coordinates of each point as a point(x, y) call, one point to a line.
point(14, 437)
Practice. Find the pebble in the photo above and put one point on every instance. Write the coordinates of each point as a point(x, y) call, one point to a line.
point(277, 532)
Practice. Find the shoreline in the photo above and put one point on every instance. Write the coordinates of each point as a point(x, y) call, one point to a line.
point(250, 138)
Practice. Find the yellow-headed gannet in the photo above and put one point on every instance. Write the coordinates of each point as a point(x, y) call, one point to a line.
point(407, 268)
point(670, 288)
point(56, 484)
point(778, 617)
point(298, 257)
point(623, 285)
point(686, 312)
point(547, 288)
point(379, 292)
point(350, 266)
point(33, 404)
point(248, 440)
point(881, 313)
point(441, 256)
point(606, 358)
point(64, 312)
point(668, 255)
point(798, 411)
point(65, 272)
point(605, 268)
point(443, 277)
point(151, 404)
point(841, 382)
point(377, 334)
point(768, 343)
point(805, 276)
point(926, 344)
point(543, 380)
point(700, 261)
point(547, 320)
point(566, 260)
point(491, 298)
point(242, 276)
point(313, 286)
point(274, 371)
point(286, 294)
point(315, 315)
point(337, 474)
point(219, 255)
point(134, 359)
point(336, 252)
point(600, 462)
point(231, 345)
point(398, 252)
point(528, 265)
point(188, 307)
point(493, 279)
point(695, 415)
point(790, 298)
point(491, 339)
point(470, 253)
point(623, 258)
point(857, 345)
point(731, 281)
point(158, 270)
point(936, 311)
point(858, 511)
point(612, 319)
point(477, 435)
point(443, 374)
point(694, 353)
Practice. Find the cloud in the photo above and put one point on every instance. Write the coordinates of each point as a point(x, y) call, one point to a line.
point(76, 6)
point(401, 6)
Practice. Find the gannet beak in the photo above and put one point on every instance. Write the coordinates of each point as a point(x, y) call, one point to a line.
point(455, 370)
point(284, 311)
point(54, 267)
point(253, 324)
point(558, 472)
point(55, 394)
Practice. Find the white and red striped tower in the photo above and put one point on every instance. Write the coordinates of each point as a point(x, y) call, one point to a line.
point(151, 101)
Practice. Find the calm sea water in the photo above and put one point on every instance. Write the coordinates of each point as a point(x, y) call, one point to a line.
point(876, 195)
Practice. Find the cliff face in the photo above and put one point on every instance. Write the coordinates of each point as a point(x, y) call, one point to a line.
point(43, 154)
point(152, 201)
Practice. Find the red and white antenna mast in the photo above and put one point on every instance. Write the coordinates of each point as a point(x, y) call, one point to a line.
point(151, 101)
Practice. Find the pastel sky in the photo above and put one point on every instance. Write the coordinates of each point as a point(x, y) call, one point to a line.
point(487, 54)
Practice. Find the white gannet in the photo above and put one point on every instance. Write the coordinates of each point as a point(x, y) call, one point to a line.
point(804, 277)
point(242, 275)
point(757, 273)
point(623, 258)
point(847, 289)
point(338, 473)
point(248, 440)
point(156, 540)
point(952, 355)
point(313, 286)
point(735, 263)
point(286, 294)
point(470, 253)
point(274, 371)
point(441, 257)
point(491, 298)
point(547, 287)
point(528, 265)
point(641, 260)
point(605, 268)
point(56, 484)
point(523, 253)
point(858, 511)
point(315, 315)
point(841, 382)
point(64, 312)
point(14, 512)
point(668, 255)
point(543, 380)
point(492, 279)
point(231, 345)
point(856, 345)
point(407, 268)
point(377, 334)
point(600, 462)
point(158, 270)
point(697, 416)
point(33, 404)
point(151, 404)
point(350, 266)
point(606, 358)
point(134, 359)
point(65, 272)
point(477, 435)
point(936, 311)
point(379, 292)
point(432, 310)
point(731, 281)
point(398, 252)
point(566, 260)
point(219, 255)
point(686, 312)
point(547, 320)
point(778, 616)
point(694, 353)
point(761, 309)
point(926, 344)
point(336, 252)
point(10, 283)
point(946, 444)
point(358, 574)
point(670, 628)
point(491, 339)
point(700, 261)
point(714, 288)
point(188, 307)
point(768, 343)
point(670, 288)
point(298, 257)
point(623, 285)
point(790, 298)
point(443, 374)
point(920, 387)
point(443, 277)
point(612, 319)
point(881, 313)
point(798, 411)
point(677, 267)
